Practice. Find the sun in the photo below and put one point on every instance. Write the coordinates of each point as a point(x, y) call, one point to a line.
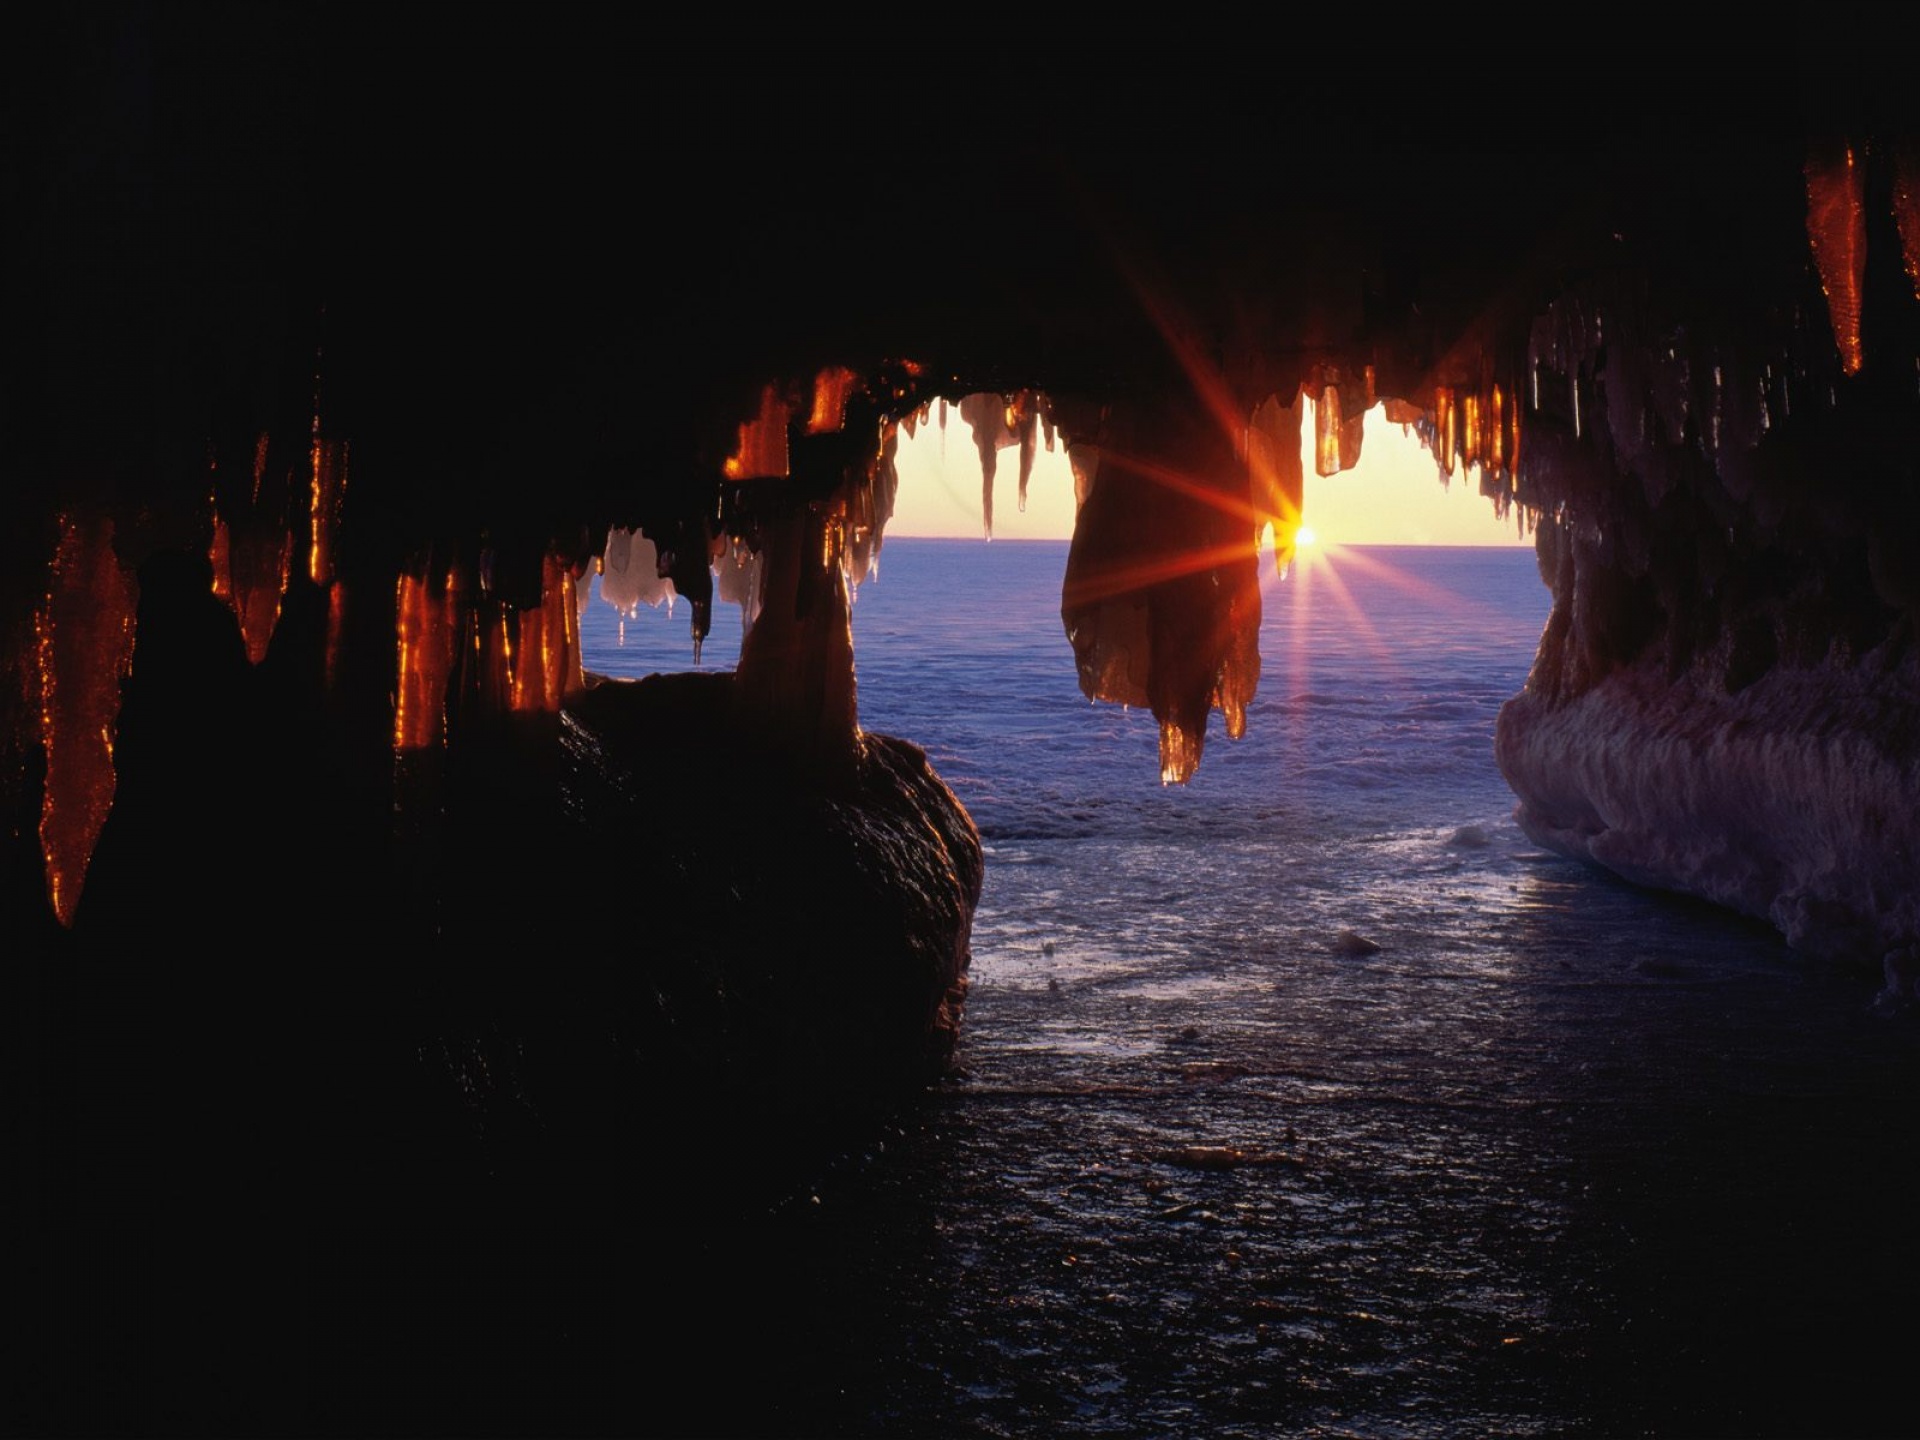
point(1304, 536)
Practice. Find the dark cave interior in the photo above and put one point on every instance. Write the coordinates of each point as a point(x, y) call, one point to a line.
point(380, 323)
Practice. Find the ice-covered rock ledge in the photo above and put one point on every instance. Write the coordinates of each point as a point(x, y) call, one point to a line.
point(1795, 799)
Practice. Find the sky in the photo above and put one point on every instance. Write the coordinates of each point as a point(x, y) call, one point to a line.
point(1394, 496)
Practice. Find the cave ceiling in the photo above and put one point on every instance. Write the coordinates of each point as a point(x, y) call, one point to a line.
point(539, 272)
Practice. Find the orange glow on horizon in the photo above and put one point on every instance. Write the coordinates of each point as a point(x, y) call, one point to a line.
point(1398, 493)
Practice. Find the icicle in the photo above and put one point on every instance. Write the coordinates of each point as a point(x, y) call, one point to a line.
point(1179, 754)
point(871, 507)
point(1276, 477)
point(1513, 444)
point(1024, 420)
point(328, 500)
point(762, 449)
point(1161, 599)
point(252, 547)
point(795, 681)
point(987, 415)
point(1326, 416)
point(1837, 234)
point(1906, 210)
point(427, 623)
point(630, 574)
point(737, 581)
point(832, 388)
point(547, 666)
point(83, 641)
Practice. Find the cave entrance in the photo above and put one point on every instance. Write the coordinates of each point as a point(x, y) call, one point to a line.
point(1363, 800)
point(633, 624)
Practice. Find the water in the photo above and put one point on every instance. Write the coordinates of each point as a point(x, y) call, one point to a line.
point(1560, 1157)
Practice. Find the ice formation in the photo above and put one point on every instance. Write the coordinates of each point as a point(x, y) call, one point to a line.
point(736, 580)
point(1275, 475)
point(986, 415)
point(83, 638)
point(1737, 797)
point(428, 620)
point(252, 546)
point(630, 575)
point(1161, 600)
point(1726, 700)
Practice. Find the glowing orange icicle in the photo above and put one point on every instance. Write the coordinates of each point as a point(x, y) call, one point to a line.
point(329, 491)
point(762, 451)
point(1497, 431)
point(250, 574)
point(832, 388)
point(1513, 443)
point(84, 642)
point(493, 664)
point(253, 547)
point(1326, 414)
point(426, 626)
point(336, 628)
point(546, 665)
point(1240, 663)
point(1906, 211)
point(1837, 233)
point(1275, 477)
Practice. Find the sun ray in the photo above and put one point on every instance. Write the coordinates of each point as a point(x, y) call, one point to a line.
point(1325, 561)
point(1437, 597)
point(1181, 483)
point(1114, 580)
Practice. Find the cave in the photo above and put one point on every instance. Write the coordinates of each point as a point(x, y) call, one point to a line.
point(338, 345)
